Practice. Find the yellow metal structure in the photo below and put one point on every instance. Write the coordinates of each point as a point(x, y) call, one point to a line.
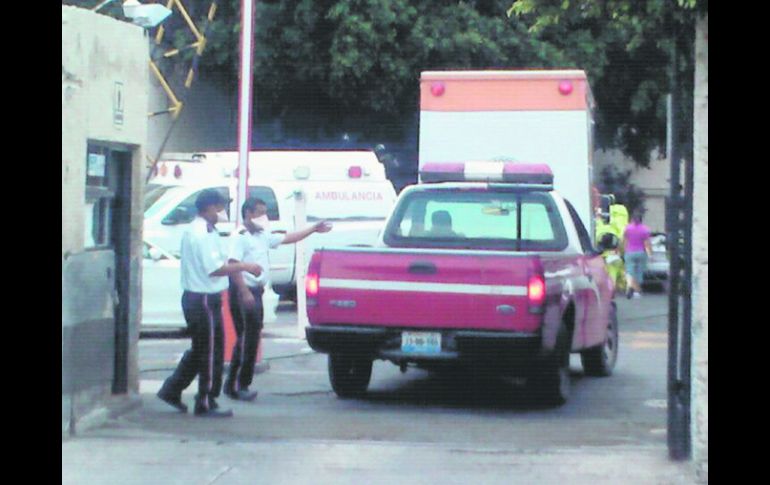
point(199, 45)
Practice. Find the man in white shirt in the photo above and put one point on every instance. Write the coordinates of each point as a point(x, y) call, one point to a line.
point(204, 277)
point(251, 244)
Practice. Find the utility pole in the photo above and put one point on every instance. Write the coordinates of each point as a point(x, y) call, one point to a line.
point(245, 102)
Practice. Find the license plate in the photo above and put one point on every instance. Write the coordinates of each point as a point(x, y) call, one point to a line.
point(421, 342)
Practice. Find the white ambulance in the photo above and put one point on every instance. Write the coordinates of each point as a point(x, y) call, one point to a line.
point(345, 187)
point(535, 116)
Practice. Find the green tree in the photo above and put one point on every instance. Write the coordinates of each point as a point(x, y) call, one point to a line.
point(626, 48)
point(357, 62)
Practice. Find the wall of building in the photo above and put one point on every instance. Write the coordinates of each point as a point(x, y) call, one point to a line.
point(208, 120)
point(97, 53)
point(700, 233)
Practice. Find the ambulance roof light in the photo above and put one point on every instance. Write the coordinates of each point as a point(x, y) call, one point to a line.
point(355, 172)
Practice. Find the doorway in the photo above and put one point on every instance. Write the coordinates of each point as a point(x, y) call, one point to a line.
point(108, 226)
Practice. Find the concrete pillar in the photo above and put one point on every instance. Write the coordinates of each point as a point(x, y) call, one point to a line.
point(700, 361)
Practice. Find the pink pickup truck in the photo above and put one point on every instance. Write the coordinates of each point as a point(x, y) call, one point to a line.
point(482, 264)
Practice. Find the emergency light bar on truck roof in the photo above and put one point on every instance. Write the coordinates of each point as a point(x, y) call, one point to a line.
point(536, 174)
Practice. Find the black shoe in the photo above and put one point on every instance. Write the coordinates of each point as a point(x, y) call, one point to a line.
point(174, 401)
point(213, 413)
point(242, 395)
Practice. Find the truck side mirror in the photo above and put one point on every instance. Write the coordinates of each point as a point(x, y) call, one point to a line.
point(608, 241)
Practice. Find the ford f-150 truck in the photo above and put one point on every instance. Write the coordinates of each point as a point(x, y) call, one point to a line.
point(481, 264)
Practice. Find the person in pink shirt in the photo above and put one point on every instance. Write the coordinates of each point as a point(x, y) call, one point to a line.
point(636, 250)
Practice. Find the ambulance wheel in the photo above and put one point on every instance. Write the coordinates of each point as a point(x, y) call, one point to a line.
point(600, 361)
point(551, 381)
point(349, 375)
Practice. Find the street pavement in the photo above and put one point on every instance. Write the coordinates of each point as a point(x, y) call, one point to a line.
point(416, 427)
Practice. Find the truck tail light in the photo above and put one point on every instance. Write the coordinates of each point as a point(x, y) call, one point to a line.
point(312, 280)
point(536, 292)
point(177, 171)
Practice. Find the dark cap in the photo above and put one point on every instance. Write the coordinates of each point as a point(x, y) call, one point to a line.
point(210, 197)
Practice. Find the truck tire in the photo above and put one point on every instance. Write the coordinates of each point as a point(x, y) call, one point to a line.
point(551, 381)
point(349, 375)
point(600, 361)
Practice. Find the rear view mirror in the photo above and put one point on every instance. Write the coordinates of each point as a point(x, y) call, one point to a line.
point(495, 211)
point(155, 254)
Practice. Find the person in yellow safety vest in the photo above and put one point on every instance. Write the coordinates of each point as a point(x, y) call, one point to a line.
point(616, 226)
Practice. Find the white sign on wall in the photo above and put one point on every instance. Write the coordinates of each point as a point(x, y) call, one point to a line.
point(96, 165)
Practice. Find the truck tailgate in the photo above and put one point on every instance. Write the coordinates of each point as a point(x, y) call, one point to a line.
point(441, 289)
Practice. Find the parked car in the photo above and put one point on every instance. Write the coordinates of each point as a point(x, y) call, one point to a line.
point(657, 272)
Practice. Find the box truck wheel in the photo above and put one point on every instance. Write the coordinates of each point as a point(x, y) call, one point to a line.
point(349, 374)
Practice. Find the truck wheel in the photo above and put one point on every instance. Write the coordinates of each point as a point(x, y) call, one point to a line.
point(551, 382)
point(349, 375)
point(600, 361)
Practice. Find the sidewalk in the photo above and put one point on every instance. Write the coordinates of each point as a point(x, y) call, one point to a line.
point(129, 456)
point(135, 451)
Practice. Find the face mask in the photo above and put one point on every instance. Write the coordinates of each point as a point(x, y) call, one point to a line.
point(262, 222)
point(222, 217)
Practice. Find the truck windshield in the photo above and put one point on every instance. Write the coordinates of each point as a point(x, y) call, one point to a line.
point(521, 221)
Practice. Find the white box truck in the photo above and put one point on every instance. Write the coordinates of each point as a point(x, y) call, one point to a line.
point(535, 116)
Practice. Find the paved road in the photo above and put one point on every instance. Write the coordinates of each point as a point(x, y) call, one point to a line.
point(296, 401)
point(469, 418)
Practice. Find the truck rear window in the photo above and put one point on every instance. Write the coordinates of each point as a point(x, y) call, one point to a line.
point(520, 221)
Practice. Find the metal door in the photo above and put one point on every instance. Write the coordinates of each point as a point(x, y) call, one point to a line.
point(95, 282)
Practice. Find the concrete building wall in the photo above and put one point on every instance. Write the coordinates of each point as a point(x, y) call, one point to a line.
point(98, 54)
point(700, 230)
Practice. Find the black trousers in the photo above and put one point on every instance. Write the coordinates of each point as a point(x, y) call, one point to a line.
point(248, 324)
point(203, 313)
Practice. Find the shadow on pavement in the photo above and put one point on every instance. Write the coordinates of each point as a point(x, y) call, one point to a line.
point(467, 389)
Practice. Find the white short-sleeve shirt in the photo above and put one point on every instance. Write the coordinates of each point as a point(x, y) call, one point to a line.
point(250, 247)
point(202, 253)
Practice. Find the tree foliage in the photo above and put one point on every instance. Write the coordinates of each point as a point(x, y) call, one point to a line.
point(626, 48)
point(360, 60)
point(618, 182)
point(323, 67)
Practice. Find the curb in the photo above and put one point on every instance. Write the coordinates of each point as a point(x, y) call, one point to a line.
point(261, 367)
